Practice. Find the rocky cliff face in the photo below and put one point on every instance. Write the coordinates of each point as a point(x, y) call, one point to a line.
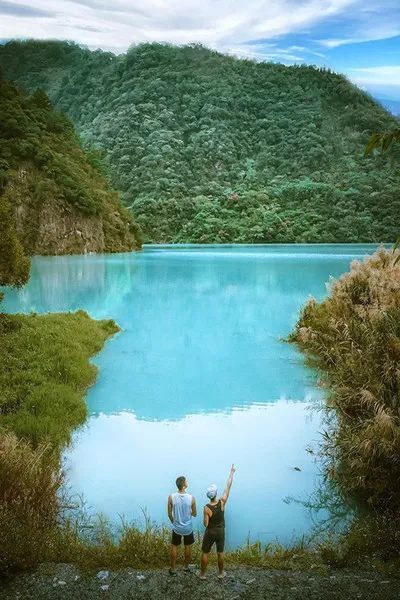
point(49, 226)
point(59, 231)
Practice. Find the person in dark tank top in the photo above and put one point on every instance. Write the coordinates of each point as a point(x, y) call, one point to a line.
point(214, 522)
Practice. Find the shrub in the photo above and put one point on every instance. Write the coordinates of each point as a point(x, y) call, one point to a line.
point(353, 337)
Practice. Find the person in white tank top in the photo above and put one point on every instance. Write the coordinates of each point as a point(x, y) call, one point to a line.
point(181, 509)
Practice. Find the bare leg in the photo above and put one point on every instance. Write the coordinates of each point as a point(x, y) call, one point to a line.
point(220, 557)
point(204, 563)
point(188, 555)
point(174, 552)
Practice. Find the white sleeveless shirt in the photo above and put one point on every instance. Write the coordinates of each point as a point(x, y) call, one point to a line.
point(182, 513)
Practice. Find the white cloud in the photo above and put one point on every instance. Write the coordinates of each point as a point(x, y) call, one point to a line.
point(376, 76)
point(335, 42)
point(266, 52)
point(115, 24)
point(371, 21)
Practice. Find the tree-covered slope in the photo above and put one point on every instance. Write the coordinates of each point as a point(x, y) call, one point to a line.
point(60, 202)
point(209, 148)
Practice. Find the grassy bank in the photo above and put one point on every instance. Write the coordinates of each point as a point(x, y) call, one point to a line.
point(353, 339)
point(45, 372)
point(44, 375)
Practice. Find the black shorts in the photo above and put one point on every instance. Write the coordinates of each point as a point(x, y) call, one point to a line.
point(211, 537)
point(188, 540)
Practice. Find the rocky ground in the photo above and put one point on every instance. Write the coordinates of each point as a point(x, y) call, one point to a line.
point(65, 582)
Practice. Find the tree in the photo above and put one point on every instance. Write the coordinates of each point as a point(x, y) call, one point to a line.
point(383, 141)
point(41, 99)
point(180, 123)
point(14, 265)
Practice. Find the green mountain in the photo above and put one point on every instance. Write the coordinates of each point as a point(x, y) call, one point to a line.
point(209, 148)
point(60, 201)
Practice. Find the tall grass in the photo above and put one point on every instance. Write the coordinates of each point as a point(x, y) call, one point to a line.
point(353, 338)
point(45, 372)
point(29, 504)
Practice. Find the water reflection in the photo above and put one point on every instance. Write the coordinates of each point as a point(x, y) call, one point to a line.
point(124, 464)
point(198, 376)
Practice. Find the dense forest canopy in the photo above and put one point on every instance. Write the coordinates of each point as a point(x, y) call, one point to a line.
point(209, 148)
point(42, 163)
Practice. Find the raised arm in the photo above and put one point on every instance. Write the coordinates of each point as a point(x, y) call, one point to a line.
point(227, 490)
point(170, 515)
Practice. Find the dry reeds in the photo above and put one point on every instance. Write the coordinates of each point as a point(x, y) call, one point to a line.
point(353, 337)
point(29, 502)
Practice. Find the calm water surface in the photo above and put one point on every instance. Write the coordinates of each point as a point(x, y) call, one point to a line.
point(197, 379)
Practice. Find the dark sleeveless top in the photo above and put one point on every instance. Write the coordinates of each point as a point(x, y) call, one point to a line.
point(218, 516)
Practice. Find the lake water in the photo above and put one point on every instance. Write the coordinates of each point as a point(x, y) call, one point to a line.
point(197, 379)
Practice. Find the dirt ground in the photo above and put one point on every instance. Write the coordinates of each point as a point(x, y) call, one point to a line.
point(65, 582)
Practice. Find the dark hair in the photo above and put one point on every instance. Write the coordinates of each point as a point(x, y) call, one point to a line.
point(180, 482)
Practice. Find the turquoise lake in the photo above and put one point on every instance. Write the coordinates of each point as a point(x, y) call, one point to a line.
point(197, 379)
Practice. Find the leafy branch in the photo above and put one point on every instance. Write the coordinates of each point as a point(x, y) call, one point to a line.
point(382, 141)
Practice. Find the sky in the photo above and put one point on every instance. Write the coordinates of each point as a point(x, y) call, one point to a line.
point(360, 38)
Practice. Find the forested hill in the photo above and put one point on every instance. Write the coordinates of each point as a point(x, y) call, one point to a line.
point(61, 202)
point(209, 148)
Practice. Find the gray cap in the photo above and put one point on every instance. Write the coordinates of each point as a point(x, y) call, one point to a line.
point(212, 491)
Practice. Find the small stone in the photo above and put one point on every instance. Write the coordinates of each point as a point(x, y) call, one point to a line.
point(250, 581)
point(104, 587)
point(60, 582)
point(76, 577)
point(140, 577)
point(102, 575)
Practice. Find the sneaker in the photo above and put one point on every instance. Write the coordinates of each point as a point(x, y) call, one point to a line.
point(188, 568)
point(201, 575)
point(221, 575)
point(172, 572)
